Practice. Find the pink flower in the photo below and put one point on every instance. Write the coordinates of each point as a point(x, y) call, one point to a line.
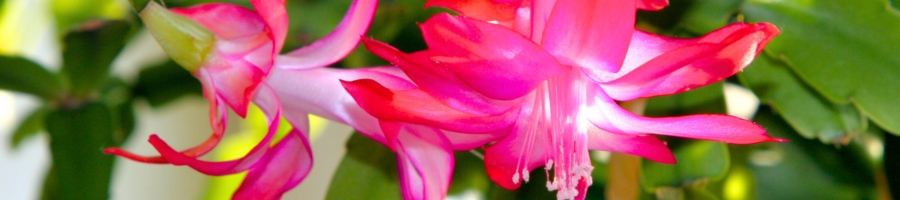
point(232, 50)
point(549, 74)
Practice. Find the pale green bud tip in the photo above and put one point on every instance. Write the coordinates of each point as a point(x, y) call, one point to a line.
point(186, 41)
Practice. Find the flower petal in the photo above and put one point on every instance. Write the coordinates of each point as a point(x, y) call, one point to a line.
point(233, 82)
point(657, 65)
point(652, 5)
point(509, 161)
point(273, 112)
point(485, 10)
point(494, 60)
point(337, 44)
point(439, 82)
point(607, 115)
point(217, 119)
point(227, 21)
point(646, 146)
point(319, 92)
point(425, 162)
point(416, 106)
point(590, 34)
point(280, 170)
point(276, 19)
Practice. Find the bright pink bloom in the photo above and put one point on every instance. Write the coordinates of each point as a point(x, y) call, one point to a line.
point(549, 73)
point(232, 49)
point(424, 154)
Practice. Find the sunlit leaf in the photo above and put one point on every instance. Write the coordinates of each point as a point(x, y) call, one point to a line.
point(803, 108)
point(77, 139)
point(22, 75)
point(70, 13)
point(88, 52)
point(845, 50)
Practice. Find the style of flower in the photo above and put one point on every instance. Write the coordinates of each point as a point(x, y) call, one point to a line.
point(232, 50)
point(549, 74)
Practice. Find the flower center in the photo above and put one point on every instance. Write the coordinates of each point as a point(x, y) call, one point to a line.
point(564, 97)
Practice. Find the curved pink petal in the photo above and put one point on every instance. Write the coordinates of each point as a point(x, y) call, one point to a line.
point(465, 141)
point(510, 161)
point(416, 106)
point(440, 82)
point(486, 10)
point(282, 168)
point(646, 146)
point(652, 4)
point(657, 65)
point(319, 92)
point(337, 44)
point(425, 162)
point(241, 35)
point(217, 118)
point(226, 21)
point(233, 83)
point(493, 60)
point(276, 19)
point(590, 34)
point(272, 110)
point(512, 158)
point(607, 115)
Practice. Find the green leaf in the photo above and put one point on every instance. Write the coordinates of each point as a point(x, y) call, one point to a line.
point(164, 83)
point(368, 171)
point(22, 75)
point(32, 124)
point(88, 52)
point(698, 160)
point(845, 50)
point(116, 94)
point(703, 16)
point(707, 99)
point(808, 112)
point(80, 170)
point(810, 169)
point(891, 162)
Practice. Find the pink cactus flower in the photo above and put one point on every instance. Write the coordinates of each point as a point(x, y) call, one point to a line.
point(549, 75)
point(232, 50)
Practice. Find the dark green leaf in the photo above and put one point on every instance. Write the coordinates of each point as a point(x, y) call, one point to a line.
point(807, 169)
point(22, 75)
point(138, 5)
point(116, 94)
point(88, 52)
point(33, 124)
point(708, 99)
point(891, 161)
point(368, 171)
point(80, 170)
point(703, 16)
point(846, 50)
point(808, 112)
point(698, 160)
point(164, 83)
